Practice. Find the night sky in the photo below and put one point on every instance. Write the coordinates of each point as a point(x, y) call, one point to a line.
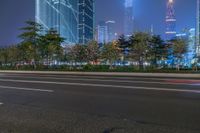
point(13, 13)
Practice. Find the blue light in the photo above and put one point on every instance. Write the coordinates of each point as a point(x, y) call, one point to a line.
point(128, 3)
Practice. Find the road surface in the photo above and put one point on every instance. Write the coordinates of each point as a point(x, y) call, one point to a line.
point(52, 103)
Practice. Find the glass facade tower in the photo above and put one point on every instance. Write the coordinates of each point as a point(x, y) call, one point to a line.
point(128, 18)
point(102, 33)
point(170, 21)
point(62, 15)
point(111, 30)
point(86, 21)
point(198, 30)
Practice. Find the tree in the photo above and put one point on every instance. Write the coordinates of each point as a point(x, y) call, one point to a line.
point(9, 55)
point(30, 41)
point(110, 52)
point(68, 54)
point(51, 45)
point(158, 50)
point(139, 47)
point(179, 49)
point(123, 45)
point(93, 51)
point(27, 52)
point(79, 53)
point(13, 55)
point(4, 56)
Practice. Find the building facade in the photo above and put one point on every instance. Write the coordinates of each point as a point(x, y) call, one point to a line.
point(170, 21)
point(189, 36)
point(86, 21)
point(102, 33)
point(112, 35)
point(68, 17)
point(128, 18)
point(198, 29)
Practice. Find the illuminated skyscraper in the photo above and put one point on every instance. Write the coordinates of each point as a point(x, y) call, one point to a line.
point(198, 30)
point(73, 19)
point(102, 33)
point(170, 20)
point(61, 15)
point(189, 36)
point(111, 30)
point(86, 21)
point(128, 18)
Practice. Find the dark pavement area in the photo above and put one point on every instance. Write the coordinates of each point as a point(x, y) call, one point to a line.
point(53, 103)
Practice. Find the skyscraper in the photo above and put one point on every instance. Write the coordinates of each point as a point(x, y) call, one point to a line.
point(102, 33)
point(86, 21)
point(73, 19)
point(128, 18)
point(61, 15)
point(170, 20)
point(111, 30)
point(189, 36)
point(198, 29)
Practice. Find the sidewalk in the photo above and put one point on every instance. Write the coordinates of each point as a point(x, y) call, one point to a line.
point(172, 75)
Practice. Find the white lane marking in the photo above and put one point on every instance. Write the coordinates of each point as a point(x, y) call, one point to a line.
point(111, 80)
point(26, 89)
point(102, 85)
point(1, 103)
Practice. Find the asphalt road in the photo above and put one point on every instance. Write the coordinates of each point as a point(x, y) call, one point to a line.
point(50, 103)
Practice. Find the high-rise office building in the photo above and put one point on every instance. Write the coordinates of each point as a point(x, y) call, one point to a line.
point(61, 15)
point(170, 20)
point(73, 19)
point(128, 18)
point(189, 36)
point(86, 21)
point(198, 29)
point(102, 33)
point(111, 30)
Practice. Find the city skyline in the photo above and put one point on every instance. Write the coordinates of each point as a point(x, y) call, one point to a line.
point(23, 10)
point(100, 66)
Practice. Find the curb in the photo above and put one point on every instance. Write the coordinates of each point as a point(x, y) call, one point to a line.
point(109, 74)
